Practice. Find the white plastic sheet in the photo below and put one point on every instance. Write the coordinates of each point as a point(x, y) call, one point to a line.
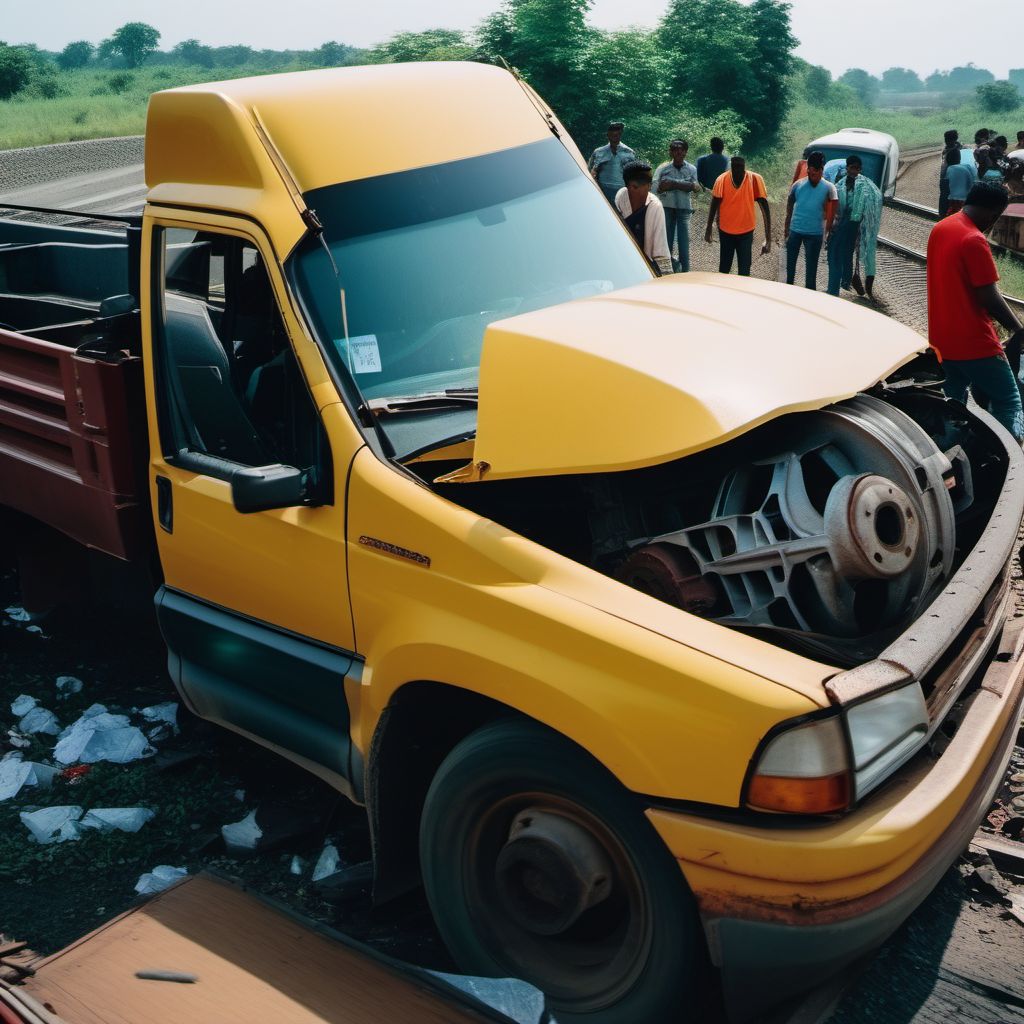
point(166, 714)
point(124, 819)
point(22, 705)
point(327, 863)
point(101, 736)
point(52, 824)
point(16, 614)
point(242, 835)
point(159, 879)
point(67, 686)
point(39, 720)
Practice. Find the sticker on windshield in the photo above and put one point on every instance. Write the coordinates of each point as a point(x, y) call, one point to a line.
point(363, 353)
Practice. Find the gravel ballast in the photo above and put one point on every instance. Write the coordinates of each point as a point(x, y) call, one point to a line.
point(37, 165)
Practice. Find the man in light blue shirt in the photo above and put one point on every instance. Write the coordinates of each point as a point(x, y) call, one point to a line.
point(606, 162)
point(960, 178)
point(809, 213)
point(675, 181)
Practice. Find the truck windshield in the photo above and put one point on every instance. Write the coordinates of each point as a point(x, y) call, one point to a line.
point(428, 258)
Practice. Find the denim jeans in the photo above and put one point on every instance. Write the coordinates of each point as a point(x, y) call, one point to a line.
point(992, 381)
point(943, 197)
point(739, 245)
point(679, 222)
point(840, 255)
point(812, 251)
point(610, 192)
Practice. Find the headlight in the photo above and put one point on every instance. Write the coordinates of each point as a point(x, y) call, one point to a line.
point(824, 765)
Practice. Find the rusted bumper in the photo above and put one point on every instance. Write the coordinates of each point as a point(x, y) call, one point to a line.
point(785, 907)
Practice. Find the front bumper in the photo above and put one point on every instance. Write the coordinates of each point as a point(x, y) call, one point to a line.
point(783, 908)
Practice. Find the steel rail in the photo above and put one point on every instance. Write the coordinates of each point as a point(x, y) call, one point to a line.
point(919, 257)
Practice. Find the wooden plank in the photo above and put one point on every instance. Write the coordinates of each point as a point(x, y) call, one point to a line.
point(253, 963)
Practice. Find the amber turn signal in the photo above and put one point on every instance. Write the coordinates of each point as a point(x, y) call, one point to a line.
point(800, 796)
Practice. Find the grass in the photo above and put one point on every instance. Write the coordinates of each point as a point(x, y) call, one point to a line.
point(96, 104)
point(1011, 276)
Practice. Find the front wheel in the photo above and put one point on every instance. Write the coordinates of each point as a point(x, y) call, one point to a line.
point(539, 865)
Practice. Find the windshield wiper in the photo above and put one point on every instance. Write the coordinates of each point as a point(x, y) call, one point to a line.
point(429, 401)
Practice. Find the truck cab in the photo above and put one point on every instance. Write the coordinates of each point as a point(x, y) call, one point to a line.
point(879, 152)
point(651, 620)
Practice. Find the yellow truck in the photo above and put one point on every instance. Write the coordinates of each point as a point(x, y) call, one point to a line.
point(657, 624)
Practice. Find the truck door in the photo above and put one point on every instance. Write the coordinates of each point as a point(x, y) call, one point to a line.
point(254, 606)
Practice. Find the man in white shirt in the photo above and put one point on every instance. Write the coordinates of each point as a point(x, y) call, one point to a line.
point(643, 214)
point(675, 181)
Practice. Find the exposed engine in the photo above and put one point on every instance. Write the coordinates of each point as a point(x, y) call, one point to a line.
point(832, 530)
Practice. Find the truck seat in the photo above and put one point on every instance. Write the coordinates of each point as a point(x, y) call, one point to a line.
point(206, 389)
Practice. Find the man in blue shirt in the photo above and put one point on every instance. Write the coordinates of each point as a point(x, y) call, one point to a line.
point(960, 179)
point(713, 165)
point(809, 211)
point(606, 162)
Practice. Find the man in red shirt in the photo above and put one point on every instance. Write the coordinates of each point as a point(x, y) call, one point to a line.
point(963, 300)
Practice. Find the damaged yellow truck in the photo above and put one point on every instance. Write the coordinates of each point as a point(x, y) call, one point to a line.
point(656, 623)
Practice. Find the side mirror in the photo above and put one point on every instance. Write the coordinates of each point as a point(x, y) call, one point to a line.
point(260, 488)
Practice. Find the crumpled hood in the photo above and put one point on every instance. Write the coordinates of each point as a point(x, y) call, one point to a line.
point(651, 373)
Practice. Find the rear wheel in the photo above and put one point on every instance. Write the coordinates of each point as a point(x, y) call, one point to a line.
point(539, 865)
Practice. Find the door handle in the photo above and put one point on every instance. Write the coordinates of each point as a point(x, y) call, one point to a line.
point(164, 504)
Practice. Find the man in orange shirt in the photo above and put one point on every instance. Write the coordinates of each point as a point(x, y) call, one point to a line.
point(733, 201)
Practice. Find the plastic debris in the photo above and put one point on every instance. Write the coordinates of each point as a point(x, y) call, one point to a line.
point(516, 999)
point(123, 819)
point(16, 614)
point(35, 629)
point(67, 686)
point(72, 776)
point(327, 863)
point(53, 824)
point(22, 705)
point(162, 714)
point(13, 775)
point(297, 866)
point(159, 879)
point(15, 739)
point(240, 795)
point(101, 736)
point(39, 720)
point(242, 835)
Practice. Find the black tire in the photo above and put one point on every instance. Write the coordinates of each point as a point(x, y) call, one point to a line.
point(630, 958)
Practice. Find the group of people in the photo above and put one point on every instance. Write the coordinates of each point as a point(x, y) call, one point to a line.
point(657, 204)
point(829, 204)
point(833, 204)
point(990, 159)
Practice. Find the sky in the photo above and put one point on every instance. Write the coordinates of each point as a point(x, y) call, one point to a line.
point(883, 33)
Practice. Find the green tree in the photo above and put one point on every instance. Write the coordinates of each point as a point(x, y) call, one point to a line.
point(15, 70)
point(998, 97)
point(332, 54)
point(967, 78)
point(774, 44)
point(1016, 76)
point(901, 80)
point(936, 81)
point(134, 41)
point(232, 56)
point(817, 82)
point(713, 52)
point(863, 84)
point(431, 44)
point(548, 41)
point(191, 51)
point(75, 55)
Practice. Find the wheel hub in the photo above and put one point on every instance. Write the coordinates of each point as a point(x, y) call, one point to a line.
point(550, 871)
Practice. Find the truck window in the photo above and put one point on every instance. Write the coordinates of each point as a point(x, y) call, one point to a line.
point(230, 385)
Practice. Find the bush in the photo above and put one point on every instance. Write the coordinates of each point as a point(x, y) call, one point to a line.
point(119, 83)
point(47, 87)
point(15, 70)
point(998, 97)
